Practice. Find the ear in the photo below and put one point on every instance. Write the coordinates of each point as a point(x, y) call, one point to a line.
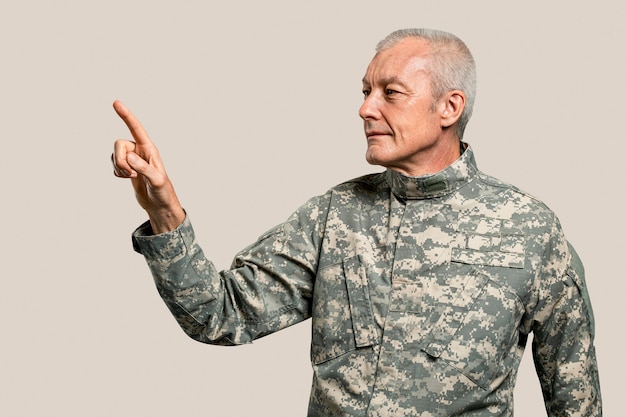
point(451, 107)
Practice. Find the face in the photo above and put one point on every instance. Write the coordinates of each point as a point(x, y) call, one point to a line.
point(402, 127)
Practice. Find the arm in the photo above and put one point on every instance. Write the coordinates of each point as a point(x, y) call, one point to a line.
point(268, 287)
point(563, 347)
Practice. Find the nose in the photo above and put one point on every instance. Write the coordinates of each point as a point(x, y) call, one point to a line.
point(369, 108)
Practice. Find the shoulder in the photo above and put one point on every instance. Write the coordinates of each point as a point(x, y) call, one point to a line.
point(512, 201)
point(347, 194)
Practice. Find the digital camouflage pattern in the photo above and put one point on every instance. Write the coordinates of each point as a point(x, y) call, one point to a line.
point(422, 293)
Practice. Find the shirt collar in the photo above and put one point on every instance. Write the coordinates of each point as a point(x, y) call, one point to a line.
point(441, 183)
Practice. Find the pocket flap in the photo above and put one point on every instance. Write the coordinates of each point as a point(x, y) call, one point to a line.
point(360, 306)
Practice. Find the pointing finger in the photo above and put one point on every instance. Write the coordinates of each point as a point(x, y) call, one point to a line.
point(136, 129)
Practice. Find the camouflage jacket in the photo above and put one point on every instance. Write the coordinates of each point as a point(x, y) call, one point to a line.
point(422, 293)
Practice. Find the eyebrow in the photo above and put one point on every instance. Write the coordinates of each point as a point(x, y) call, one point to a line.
point(387, 81)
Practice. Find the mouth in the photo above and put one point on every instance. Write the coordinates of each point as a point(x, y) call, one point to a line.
point(376, 134)
point(376, 131)
point(372, 131)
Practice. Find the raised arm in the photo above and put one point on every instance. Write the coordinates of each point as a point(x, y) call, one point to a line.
point(139, 160)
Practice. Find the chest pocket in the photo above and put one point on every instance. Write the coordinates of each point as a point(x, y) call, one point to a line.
point(342, 312)
point(477, 329)
point(489, 241)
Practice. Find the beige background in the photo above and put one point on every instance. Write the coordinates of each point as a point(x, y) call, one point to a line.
point(254, 107)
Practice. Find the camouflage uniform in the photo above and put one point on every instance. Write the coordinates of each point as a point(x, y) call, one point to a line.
point(422, 293)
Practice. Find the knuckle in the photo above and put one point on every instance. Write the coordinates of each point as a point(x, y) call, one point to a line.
point(123, 144)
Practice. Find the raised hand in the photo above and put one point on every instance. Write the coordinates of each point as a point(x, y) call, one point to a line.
point(140, 161)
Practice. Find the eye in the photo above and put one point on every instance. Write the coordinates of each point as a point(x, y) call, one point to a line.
point(366, 93)
point(389, 91)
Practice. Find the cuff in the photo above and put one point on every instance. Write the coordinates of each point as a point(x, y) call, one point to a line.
point(166, 245)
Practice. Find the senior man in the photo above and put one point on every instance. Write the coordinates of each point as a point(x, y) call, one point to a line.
point(423, 282)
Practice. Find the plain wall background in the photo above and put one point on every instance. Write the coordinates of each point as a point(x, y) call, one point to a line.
point(254, 108)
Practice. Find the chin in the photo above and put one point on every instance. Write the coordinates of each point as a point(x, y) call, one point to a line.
point(376, 161)
point(374, 157)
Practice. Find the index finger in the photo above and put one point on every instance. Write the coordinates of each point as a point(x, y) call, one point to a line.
point(136, 129)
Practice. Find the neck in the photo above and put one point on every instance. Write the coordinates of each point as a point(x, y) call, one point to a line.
point(432, 160)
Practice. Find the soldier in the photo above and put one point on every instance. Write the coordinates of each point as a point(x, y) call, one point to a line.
point(423, 282)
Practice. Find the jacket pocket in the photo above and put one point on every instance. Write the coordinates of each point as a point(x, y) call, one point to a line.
point(342, 313)
point(477, 331)
point(489, 241)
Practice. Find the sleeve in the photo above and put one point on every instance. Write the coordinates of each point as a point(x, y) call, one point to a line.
point(563, 348)
point(268, 287)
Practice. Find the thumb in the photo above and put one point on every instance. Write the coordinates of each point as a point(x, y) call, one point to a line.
point(155, 177)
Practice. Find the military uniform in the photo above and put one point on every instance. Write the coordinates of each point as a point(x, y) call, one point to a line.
point(422, 293)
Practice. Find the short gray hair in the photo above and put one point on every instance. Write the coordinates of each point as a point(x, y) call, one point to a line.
point(451, 64)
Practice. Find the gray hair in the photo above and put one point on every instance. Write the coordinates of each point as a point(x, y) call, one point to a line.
point(451, 64)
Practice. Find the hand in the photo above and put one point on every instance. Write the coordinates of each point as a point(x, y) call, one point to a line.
point(140, 161)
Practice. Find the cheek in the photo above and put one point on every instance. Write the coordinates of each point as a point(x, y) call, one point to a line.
point(405, 131)
point(417, 127)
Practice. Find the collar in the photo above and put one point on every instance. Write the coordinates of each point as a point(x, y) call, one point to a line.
point(441, 183)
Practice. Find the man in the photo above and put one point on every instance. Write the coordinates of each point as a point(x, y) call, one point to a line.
point(423, 282)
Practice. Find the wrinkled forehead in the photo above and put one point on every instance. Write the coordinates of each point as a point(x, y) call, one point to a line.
point(407, 59)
